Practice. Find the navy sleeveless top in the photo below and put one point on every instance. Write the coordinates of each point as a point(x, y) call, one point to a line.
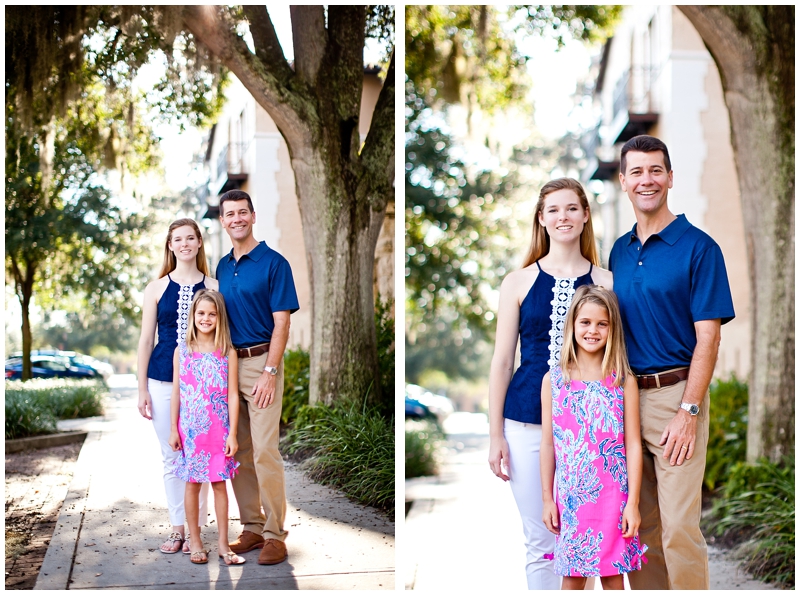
point(172, 317)
point(541, 331)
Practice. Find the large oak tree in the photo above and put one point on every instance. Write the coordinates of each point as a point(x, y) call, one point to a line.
point(753, 47)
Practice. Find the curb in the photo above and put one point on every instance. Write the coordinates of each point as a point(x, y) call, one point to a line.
point(34, 442)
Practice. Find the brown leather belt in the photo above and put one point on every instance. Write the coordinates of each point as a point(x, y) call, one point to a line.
point(253, 351)
point(663, 379)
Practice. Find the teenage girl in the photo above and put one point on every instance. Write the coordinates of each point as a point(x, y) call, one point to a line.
point(591, 454)
point(184, 272)
point(203, 420)
point(533, 306)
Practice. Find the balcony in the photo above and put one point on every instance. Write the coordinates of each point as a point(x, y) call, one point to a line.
point(232, 166)
point(597, 167)
point(635, 107)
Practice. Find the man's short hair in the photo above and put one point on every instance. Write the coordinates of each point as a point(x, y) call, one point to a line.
point(235, 195)
point(643, 144)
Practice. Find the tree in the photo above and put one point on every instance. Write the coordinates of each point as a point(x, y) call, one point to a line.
point(71, 116)
point(343, 187)
point(753, 48)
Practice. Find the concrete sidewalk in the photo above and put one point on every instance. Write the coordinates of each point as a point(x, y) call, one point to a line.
point(115, 518)
point(463, 532)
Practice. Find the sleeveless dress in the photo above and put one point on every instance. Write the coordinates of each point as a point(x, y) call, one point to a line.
point(203, 423)
point(541, 329)
point(591, 479)
point(172, 317)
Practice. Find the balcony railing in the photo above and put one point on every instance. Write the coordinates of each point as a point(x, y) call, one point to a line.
point(231, 159)
point(634, 91)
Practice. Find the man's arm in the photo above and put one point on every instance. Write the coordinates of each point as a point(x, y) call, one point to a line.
point(264, 388)
point(682, 430)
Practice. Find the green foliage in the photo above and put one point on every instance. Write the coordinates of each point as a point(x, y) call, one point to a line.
point(423, 439)
point(727, 433)
point(757, 509)
point(384, 327)
point(296, 370)
point(32, 407)
point(350, 447)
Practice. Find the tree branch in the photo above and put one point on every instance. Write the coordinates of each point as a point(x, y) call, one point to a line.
point(268, 48)
point(377, 156)
point(290, 110)
point(309, 39)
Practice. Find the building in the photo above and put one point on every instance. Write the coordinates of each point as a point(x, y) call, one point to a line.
point(656, 77)
point(246, 151)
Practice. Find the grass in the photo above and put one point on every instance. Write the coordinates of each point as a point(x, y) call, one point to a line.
point(757, 512)
point(33, 407)
point(423, 439)
point(350, 447)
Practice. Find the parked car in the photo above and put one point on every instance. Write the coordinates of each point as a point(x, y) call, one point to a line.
point(49, 366)
point(438, 405)
point(75, 359)
point(416, 410)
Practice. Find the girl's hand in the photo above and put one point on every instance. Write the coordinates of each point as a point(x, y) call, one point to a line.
point(145, 405)
point(630, 521)
point(498, 457)
point(550, 517)
point(174, 440)
point(231, 446)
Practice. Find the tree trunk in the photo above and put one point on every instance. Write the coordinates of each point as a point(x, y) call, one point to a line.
point(23, 284)
point(753, 47)
point(342, 185)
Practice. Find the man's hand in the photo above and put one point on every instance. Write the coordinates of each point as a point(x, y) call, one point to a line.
point(264, 390)
point(679, 437)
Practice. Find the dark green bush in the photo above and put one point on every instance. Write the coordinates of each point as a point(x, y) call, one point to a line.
point(757, 509)
point(32, 407)
point(349, 446)
point(296, 370)
point(384, 327)
point(727, 433)
point(423, 439)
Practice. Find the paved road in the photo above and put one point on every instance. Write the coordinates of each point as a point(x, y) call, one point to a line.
point(463, 531)
point(114, 519)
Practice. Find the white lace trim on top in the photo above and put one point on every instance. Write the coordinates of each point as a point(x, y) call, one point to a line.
point(563, 290)
point(184, 304)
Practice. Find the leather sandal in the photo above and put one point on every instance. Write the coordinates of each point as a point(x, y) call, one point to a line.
point(201, 552)
point(173, 538)
point(229, 559)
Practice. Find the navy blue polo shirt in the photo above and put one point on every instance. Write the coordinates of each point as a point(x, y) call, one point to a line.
point(259, 284)
point(676, 279)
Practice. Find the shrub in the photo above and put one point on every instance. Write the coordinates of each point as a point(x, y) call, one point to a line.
point(422, 442)
point(758, 506)
point(384, 327)
point(349, 446)
point(296, 371)
point(727, 432)
point(32, 407)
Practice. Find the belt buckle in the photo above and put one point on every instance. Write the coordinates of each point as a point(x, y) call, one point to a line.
point(658, 380)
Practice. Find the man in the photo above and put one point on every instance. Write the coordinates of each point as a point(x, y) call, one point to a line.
point(260, 296)
point(674, 295)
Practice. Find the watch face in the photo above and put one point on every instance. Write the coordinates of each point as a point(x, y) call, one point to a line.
point(694, 409)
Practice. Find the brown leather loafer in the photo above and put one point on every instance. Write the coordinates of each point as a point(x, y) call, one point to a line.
point(273, 552)
point(247, 542)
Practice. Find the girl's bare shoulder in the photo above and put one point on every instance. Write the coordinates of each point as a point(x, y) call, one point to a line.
point(519, 282)
point(603, 277)
point(156, 288)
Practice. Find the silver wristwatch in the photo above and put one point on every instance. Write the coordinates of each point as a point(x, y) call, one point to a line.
point(692, 409)
point(271, 369)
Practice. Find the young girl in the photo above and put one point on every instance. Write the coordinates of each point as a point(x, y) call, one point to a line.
point(591, 445)
point(203, 419)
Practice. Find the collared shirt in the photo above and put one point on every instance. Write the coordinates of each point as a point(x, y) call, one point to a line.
point(259, 284)
point(676, 279)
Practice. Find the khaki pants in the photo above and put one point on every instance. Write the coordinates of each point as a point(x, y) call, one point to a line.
point(259, 481)
point(670, 499)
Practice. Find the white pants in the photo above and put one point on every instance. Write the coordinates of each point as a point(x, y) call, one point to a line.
point(524, 441)
point(160, 396)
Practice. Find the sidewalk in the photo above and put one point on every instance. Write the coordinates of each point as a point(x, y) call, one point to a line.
point(115, 518)
point(463, 532)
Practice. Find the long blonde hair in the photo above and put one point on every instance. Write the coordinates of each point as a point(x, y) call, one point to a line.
point(615, 358)
point(222, 334)
point(170, 262)
point(540, 240)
